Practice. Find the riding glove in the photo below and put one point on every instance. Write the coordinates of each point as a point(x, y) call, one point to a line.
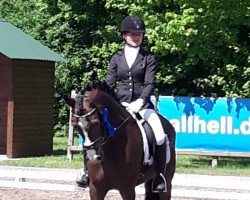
point(135, 106)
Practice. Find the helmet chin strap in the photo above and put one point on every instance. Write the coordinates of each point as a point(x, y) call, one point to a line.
point(132, 45)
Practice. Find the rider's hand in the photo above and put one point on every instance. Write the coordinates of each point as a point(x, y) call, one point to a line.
point(135, 106)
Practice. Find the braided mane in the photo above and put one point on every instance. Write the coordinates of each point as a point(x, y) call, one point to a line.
point(100, 85)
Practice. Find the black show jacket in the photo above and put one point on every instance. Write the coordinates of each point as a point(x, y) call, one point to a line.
point(135, 82)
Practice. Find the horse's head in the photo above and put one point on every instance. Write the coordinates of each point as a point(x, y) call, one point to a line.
point(82, 116)
point(96, 113)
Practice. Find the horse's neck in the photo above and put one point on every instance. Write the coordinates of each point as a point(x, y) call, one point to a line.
point(115, 111)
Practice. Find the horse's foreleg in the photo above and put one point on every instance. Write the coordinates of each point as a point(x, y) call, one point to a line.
point(127, 193)
point(97, 194)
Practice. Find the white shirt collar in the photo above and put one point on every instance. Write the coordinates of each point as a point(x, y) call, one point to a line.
point(131, 54)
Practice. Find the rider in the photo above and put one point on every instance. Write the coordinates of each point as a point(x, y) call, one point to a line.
point(133, 71)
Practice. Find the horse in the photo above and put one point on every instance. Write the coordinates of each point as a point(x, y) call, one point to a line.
point(114, 135)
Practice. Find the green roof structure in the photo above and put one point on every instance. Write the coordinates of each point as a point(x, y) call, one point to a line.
point(16, 44)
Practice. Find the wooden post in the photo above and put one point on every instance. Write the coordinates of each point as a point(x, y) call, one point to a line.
point(10, 129)
point(71, 131)
point(214, 158)
point(214, 161)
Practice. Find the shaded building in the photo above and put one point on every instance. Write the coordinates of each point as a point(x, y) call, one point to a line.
point(27, 75)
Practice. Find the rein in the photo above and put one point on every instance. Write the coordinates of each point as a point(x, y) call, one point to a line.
point(92, 143)
point(116, 129)
point(121, 124)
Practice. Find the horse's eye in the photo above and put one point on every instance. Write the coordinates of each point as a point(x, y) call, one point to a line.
point(84, 111)
point(78, 111)
point(81, 110)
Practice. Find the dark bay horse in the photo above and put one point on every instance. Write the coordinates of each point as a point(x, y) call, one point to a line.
point(116, 136)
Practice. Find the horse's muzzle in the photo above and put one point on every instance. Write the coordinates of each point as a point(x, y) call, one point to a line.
point(92, 155)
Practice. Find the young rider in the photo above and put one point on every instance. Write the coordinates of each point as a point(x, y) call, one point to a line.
point(132, 72)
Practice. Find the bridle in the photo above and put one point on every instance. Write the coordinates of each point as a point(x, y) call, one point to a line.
point(85, 115)
point(83, 122)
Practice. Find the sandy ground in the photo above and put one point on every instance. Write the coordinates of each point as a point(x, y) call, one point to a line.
point(79, 194)
point(25, 194)
point(55, 181)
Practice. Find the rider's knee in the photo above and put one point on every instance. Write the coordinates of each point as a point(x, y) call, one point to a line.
point(160, 139)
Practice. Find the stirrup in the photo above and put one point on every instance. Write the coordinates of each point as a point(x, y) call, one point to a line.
point(154, 190)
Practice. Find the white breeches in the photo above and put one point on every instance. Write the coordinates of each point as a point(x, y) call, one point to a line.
point(152, 118)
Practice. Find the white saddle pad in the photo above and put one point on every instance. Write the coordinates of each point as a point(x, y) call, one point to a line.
point(147, 159)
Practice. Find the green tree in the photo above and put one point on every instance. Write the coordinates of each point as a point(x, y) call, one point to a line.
point(202, 47)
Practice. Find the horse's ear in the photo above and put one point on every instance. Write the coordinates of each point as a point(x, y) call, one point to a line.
point(93, 76)
point(104, 83)
point(69, 101)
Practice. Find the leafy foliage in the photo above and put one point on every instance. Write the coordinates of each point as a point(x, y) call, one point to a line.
point(202, 47)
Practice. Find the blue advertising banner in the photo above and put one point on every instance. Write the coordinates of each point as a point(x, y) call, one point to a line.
point(209, 124)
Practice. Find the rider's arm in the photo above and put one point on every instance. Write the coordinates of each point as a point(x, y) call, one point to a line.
point(111, 77)
point(150, 76)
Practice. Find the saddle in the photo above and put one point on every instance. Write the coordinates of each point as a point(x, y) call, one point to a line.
point(149, 141)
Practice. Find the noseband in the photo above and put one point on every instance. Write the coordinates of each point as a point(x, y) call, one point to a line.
point(85, 115)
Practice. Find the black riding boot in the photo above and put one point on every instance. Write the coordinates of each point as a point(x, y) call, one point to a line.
point(159, 182)
point(84, 180)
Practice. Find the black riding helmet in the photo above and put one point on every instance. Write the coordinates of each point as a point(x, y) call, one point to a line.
point(133, 24)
